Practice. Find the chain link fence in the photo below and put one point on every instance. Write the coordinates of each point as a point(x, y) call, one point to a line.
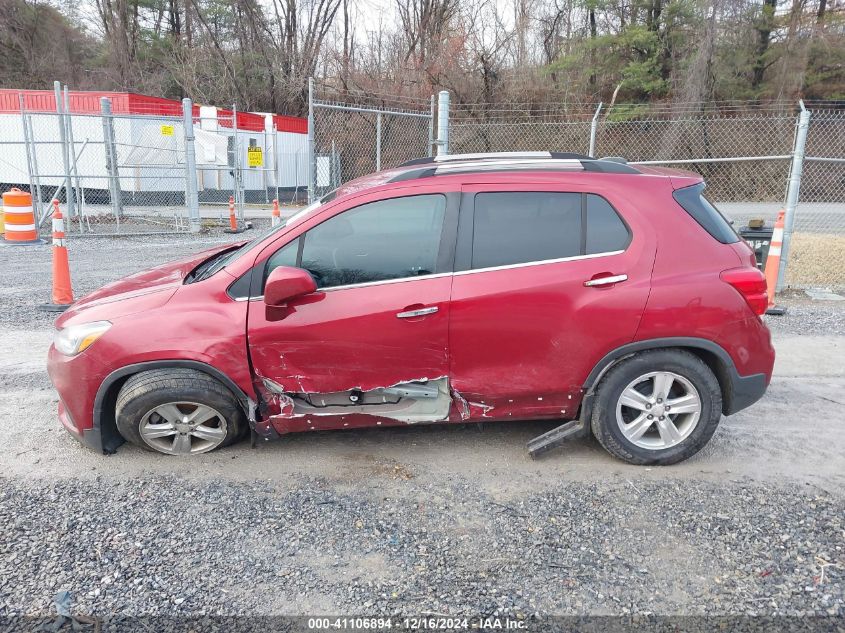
point(355, 134)
point(171, 169)
point(817, 256)
point(744, 152)
point(114, 173)
point(120, 173)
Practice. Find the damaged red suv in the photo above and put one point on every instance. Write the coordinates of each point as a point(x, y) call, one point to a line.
point(613, 298)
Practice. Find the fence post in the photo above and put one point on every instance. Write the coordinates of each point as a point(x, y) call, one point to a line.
point(36, 194)
point(78, 194)
point(593, 129)
point(111, 158)
point(431, 127)
point(57, 90)
point(443, 123)
point(378, 141)
point(312, 157)
point(191, 185)
point(792, 192)
point(237, 185)
point(276, 175)
point(37, 172)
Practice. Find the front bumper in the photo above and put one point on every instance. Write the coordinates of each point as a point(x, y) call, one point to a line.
point(92, 438)
point(76, 379)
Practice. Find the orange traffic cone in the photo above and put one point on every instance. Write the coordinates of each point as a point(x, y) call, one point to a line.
point(773, 265)
point(276, 214)
point(233, 221)
point(62, 291)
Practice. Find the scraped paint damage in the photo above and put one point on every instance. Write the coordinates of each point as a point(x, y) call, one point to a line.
point(413, 401)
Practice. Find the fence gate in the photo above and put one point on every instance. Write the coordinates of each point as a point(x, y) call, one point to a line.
point(354, 135)
point(116, 173)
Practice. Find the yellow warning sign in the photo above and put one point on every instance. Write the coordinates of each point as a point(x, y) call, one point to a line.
point(167, 130)
point(254, 157)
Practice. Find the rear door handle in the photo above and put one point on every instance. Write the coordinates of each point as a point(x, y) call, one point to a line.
point(605, 281)
point(410, 314)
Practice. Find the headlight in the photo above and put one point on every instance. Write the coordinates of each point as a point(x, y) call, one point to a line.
point(76, 338)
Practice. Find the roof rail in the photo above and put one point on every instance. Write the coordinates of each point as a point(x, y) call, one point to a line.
point(501, 162)
point(450, 158)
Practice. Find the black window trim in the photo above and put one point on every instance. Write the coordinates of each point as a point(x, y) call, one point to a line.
point(466, 225)
point(722, 233)
point(445, 253)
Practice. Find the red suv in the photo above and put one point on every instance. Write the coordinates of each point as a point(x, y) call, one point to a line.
point(453, 289)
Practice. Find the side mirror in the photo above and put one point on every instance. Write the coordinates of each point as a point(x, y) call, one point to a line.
point(286, 283)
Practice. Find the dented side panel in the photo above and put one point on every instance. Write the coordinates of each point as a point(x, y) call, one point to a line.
point(345, 340)
point(524, 338)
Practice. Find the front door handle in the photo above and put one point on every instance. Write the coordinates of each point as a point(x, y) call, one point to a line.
point(605, 281)
point(410, 314)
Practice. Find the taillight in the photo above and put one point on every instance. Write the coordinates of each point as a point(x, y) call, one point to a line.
point(751, 284)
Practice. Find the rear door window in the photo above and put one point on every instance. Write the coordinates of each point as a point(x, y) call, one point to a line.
point(522, 227)
point(702, 211)
point(518, 227)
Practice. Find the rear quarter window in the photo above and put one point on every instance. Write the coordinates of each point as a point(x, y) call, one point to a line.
point(606, 232)
point(692, 200)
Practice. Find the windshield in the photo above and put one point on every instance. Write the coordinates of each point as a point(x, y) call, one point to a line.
point(221, 260)
point(265, 234)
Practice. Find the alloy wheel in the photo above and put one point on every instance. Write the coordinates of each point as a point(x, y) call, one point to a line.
point(658, 410)
point(183, 428)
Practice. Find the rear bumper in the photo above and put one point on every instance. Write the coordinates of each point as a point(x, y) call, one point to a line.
point(744, 391)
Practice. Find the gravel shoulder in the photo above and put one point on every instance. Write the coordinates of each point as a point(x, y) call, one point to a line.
point(454, 520)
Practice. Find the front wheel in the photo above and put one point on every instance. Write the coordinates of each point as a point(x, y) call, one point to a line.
point(178, 411)
point(657, 407)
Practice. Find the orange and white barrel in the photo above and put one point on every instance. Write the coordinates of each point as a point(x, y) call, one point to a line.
point(19, 218)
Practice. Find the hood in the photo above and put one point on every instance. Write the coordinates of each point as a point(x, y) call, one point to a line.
point(144, 290)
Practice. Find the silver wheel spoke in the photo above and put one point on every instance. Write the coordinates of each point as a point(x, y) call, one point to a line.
point(635, 429)
point(668, 432)
point(211, 433)
point(202, 414)
point(170, 412)
point(182, 444)
point(152, 431)
point(685, 404)
point(662, 385)
point(634, 399)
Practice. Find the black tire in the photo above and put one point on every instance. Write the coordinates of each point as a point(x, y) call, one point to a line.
point(147, 390)
point(604, 423)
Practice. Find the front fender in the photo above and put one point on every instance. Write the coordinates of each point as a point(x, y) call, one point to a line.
point(103, 435)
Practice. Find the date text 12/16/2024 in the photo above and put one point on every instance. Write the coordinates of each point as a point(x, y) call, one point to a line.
point(421, 623)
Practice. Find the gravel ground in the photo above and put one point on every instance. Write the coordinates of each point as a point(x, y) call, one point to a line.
point(398, 545)
point(807, 318)
point(452, 520)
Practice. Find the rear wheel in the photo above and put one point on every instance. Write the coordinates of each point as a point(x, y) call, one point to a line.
point(657, 407)
point(178, 411)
